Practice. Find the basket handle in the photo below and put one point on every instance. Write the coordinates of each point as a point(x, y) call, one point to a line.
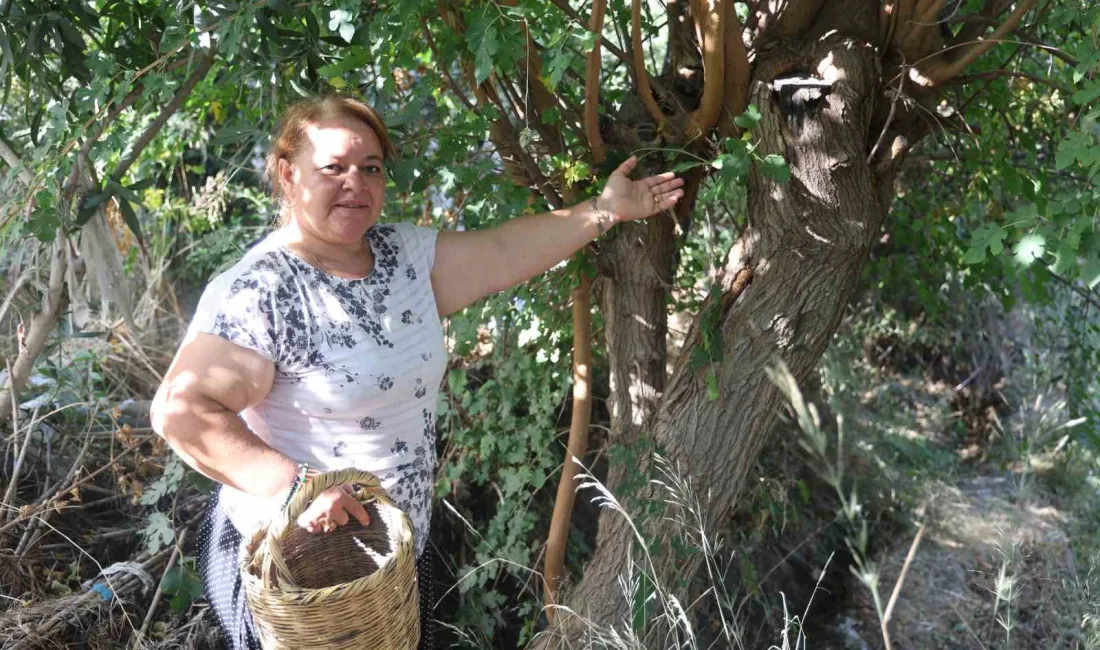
point(270, 550)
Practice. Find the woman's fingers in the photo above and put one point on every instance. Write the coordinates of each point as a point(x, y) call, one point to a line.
point(335, 507)
point(356, 509)
point(667, 186)
point(661, 178)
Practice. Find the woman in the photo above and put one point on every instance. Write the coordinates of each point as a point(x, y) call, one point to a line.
point(322, 348)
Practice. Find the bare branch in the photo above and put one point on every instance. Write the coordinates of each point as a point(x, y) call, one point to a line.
point(885, 626)
point(592, 86)
point(644, 90)
point(941, 73)
point(34, 335)
point(12, 158)
point(577, 446)
point(708, 18)
point(735, 98)
point(618, 53)
point(997, 74)
point(204, 64)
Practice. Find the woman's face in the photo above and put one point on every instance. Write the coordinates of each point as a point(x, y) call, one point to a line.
point(335, 183)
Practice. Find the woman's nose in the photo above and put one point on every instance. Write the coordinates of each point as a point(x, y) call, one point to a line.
point(354, 181)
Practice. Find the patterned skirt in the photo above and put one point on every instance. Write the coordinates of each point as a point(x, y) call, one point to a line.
point(219, 565)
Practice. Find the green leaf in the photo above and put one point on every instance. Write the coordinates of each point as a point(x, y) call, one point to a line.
point(89, 205)
point(1090, 270)
point(483, 60)
point(130, 217)
point(142, 185)
point(775, 168)
point(990, 236)
point(1065, 258)
point(172, 581)
point(355, 58)
point(557, 67)
point(158, 532)
point(974, 255)
point(712, 384)
point(179, 603)
point(1087, 94)
point(1030, 248)
point(1076, 146)
point(749, 119)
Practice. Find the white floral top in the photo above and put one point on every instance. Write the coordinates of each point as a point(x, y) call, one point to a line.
point(357, 363)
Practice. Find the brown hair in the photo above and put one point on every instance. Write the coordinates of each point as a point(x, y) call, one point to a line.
point(302, 114)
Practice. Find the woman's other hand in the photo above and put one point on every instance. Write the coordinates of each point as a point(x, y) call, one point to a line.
point(628, 200)
point(332, 508)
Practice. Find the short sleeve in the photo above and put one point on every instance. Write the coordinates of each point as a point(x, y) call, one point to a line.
point(420, 243)
point(239, 308)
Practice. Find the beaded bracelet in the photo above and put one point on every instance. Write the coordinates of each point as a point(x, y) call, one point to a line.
point(296, 485)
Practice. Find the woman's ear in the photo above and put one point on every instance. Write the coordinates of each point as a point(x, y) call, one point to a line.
point(286, 176)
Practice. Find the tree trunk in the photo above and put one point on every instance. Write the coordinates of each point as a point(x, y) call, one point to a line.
point(803, 250)
point(637, 267)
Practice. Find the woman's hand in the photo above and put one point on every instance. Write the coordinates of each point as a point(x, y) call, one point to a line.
point(333, 507)
point(628, 200)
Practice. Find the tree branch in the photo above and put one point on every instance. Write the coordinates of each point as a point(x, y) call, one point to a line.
point(521, 168)
point(735, 98)
point(642, 74)
point(184, 91)
point(592, 86)
point(996, 74)
point(577, 446)
point(12, 158)
point(32, 337)
point(708, 18)
point(618, 53)
point(1086, 294)
point(443, 67)
point(941, 73)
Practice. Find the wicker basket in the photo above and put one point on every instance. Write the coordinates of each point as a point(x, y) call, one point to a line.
point(352, 588)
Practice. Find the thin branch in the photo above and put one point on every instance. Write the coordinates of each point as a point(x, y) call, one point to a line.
point(1087, 294)
point(12, 158)
point(443, 66)
point(1064, 56)
point(86, 148)
point(708, 19)
point(592, 86)
point(889, 120)
point(577, 446)
point(995, 74)
point(506, 140)
point(184, 91)
point(897, 586)
point(642, 74)
point(939, 75)
point(618, 53)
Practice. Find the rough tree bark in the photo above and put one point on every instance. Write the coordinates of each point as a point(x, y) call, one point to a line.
point(842, 86)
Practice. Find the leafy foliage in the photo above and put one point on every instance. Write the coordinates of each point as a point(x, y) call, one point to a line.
point(1010, 212)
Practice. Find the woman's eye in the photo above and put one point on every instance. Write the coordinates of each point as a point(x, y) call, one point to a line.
point(372, 170)
point(331, 168)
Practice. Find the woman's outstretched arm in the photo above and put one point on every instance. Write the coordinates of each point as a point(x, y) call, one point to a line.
point(470, 265)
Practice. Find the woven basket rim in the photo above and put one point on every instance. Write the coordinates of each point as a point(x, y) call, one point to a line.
point(402, 538)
